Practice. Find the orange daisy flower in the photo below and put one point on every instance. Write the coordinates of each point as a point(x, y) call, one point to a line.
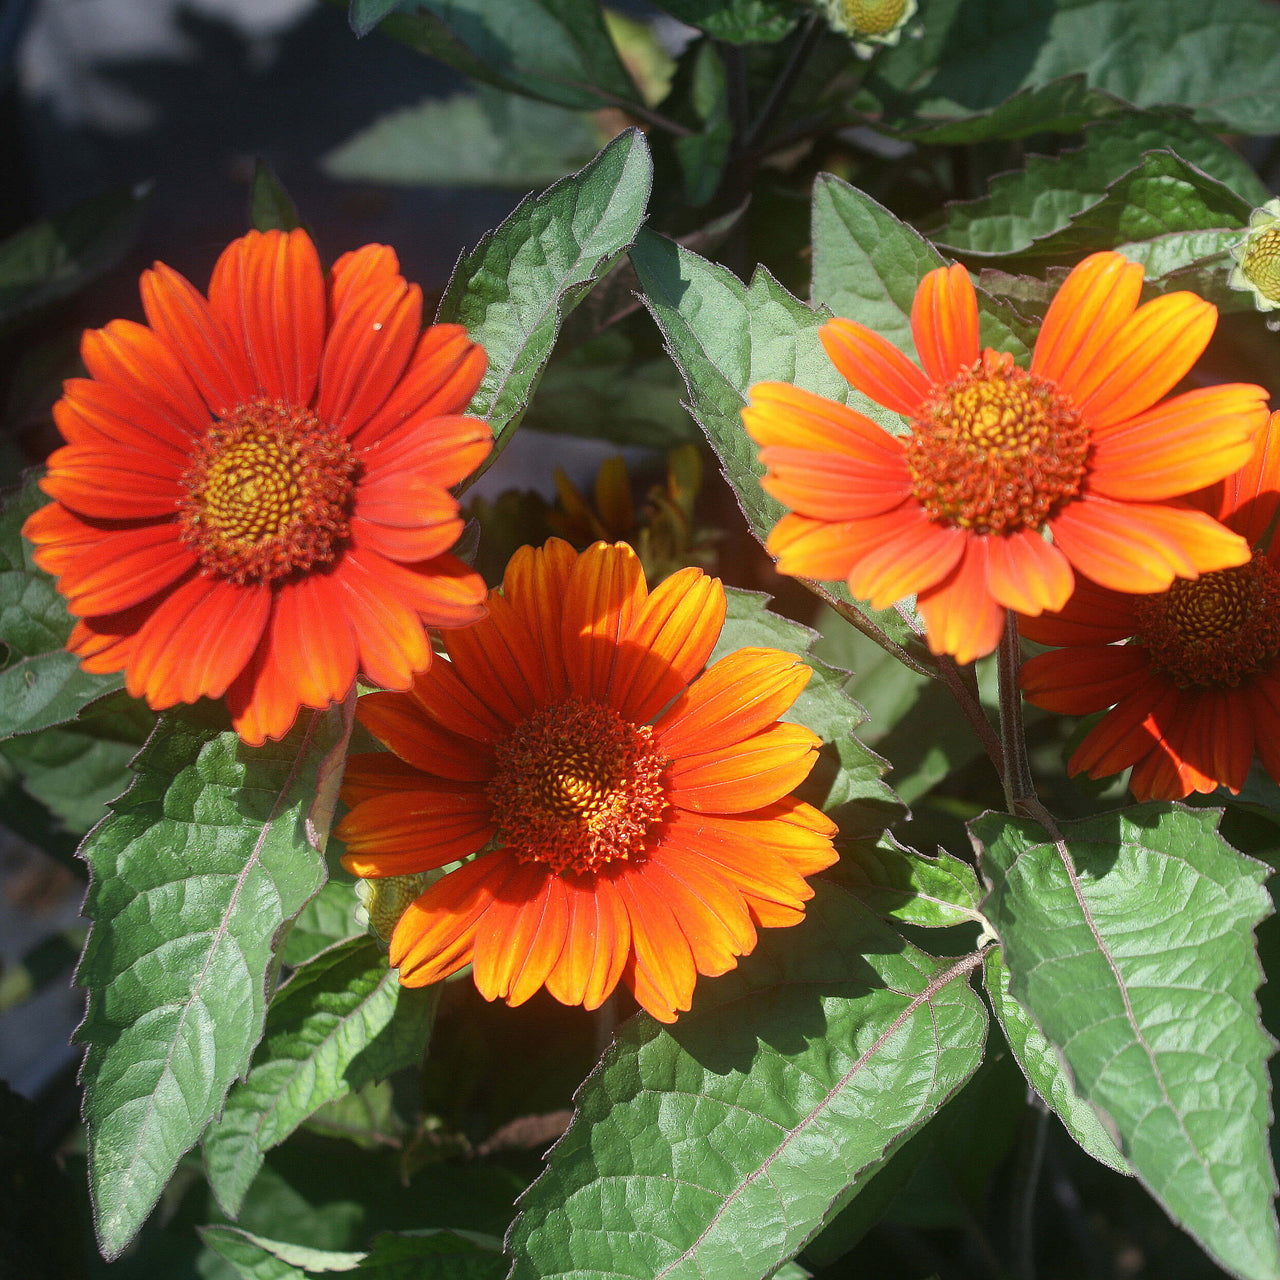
point(253, 498)
point(956, 512)
point(633, 823)
point(1192, 674)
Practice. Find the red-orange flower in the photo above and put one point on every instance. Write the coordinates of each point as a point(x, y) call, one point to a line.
point(633, 823)
point(956, 512)
point(253, 498)
point(1194, 690)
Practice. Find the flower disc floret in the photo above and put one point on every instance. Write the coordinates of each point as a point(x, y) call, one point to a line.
point(1217, 631)
point(576, 787)
point(268, 494)
point(996, 449)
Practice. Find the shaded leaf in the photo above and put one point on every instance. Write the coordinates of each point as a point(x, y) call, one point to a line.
point(328, 918)
point(716, 1147)
point(42, 684)
point(901, 884)
point(271, 208)
point(515, 287)
point(738, 21)
point(1129, 941)
point(195, 873)
point(1043, 1068)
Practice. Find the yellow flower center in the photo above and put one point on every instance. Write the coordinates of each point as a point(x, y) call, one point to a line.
point(1261, 261)
point(268, 493)
point(1216, 631)
point(577, 786)
point(872, 17)
point(997, 449)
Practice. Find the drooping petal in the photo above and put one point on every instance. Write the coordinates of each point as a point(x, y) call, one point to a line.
point(1181, 445)
point(661, 971)
point(520, 938)
point(597, 942)
point(744, 775)
point(1140, 546)
point(1127, 732)
point(197, 640)
point(1093, 304)
point(268, 289)
point(944, 322)
point(389, 633)
point(314, 636)
point(961, 616)
point(736, 697)
point(1027, 573)
point(875, 366)
point(1080, 681)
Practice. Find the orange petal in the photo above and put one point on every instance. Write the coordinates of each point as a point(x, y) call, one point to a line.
point(661, 972)
point(367, 352)
point(744, 775)
point(961, 616)
point(829, 487)
point(672, 636)
point(357, 271)
point(105, 643)
point(403, 832)
point(535, 583)
point(313, 635)
point(1179, 446)
point(115, 482)
point(597, 942)
point(780, 414)
point(1080, 681)
point(212, 357)
point(1152, 351)
point(1093, 304)
point(436, 934)
point(490, 659)
point(447, 700)
point(378, 773)
point(401, 544)
point(712, 913)
point(944, 322)
point(1092, 616)
point(875, 366)
point(1248, 500)
point(1127, 732)
point(605, 590)
point(443, 450)
point(101, 414)
point(1027, 573)
point(520, 938)
point(742, 693)
point(268, 289)
point(1266, 712)
point(903, 552)
point(809, 548)
point(389, 633)
point(398, 721)
point(444, 374)
point(1142, 547)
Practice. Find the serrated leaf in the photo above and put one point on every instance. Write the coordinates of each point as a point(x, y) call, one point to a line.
point(195, 873)
point(867, 264)
point(737, 21)
point(901, 884)
point(724, 337)
point(1049, 193)
point(514, 289)
point(1129, 942)
point(341, 1022)
point(488, 138)
point(716, 1146)
point(1213, 56)
point(42, 685)
point(51, 259)
point(1043, 1068)
point(556, 50)
point(847, 782)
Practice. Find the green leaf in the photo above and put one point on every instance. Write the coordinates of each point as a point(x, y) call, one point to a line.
point(1049, 194)
point(514, 289)
point(847, 782)
point(703, 155)
point(51, 259)
point(727, 1137)
point(488, 138)
point(1214, 56)
point(556, 50)
point(42, 684)
point(341, 1022)
point(737, 21)
point(328, 918)
point(256, 1258)
point(901, 884)
point(867, 264)
point(1197, 260)
point(724, 337)
point(271, 208)
point(1065, 105)
point(1129, 942)
point(195, 874)
point(364, 15)
point(1044, 1070)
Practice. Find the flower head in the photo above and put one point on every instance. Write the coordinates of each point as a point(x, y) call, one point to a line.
point(1009, 481)
point(869, 22)
point(253, 498)
point(1257, 258)
point(634, 820)
point(1191, 675)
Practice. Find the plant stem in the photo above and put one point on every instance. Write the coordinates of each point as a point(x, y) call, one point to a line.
point(785, 82)
point(1030, 1164)
point(1015, 773)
